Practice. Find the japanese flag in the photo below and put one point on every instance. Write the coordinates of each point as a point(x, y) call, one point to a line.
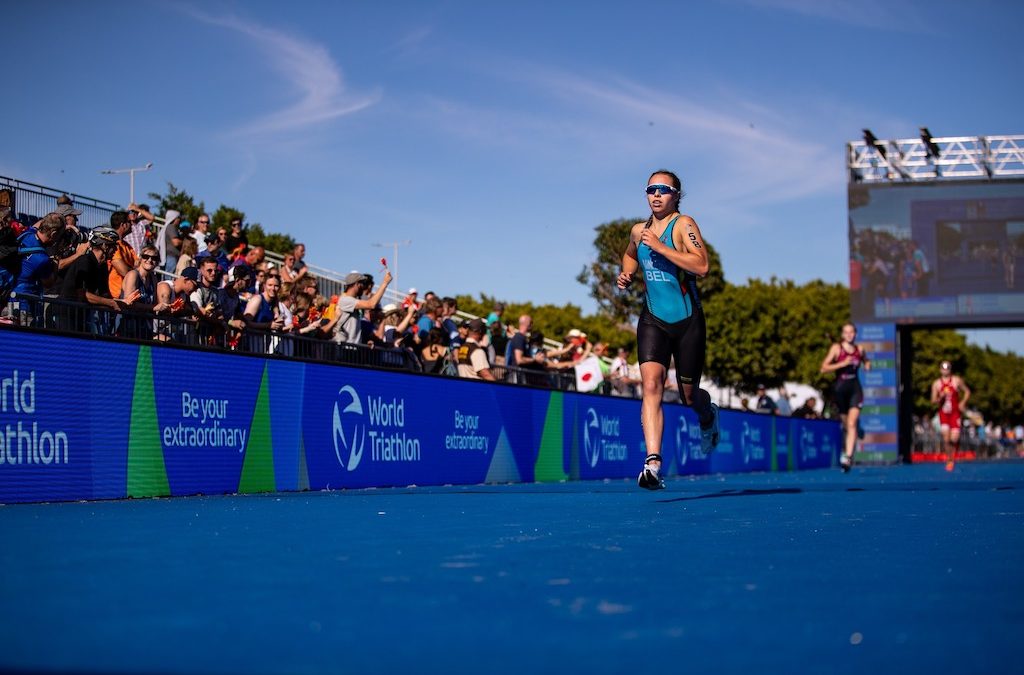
point(588, 374)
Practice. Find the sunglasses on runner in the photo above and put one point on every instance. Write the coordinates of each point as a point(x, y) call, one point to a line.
point(663, 189)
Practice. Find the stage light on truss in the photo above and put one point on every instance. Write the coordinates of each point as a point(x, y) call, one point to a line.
point(930, 146)
point(871, 141)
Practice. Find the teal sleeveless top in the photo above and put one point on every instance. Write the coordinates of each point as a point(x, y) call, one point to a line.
point(671, 291)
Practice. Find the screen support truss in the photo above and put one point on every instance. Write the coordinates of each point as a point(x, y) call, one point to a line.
point(910, 160)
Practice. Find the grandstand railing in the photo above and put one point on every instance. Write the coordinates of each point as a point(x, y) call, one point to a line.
point(31, 202)
point(68, 317)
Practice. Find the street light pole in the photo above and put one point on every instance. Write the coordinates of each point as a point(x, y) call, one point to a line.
point(394, 246)
point(131, 173)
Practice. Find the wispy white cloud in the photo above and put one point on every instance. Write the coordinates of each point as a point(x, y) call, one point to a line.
point(878, 14)
point(322, 94)
point(248, 170)
point(412, 42)
point(753, 151)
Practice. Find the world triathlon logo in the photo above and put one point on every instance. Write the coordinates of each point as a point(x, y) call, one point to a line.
point(592, 437)
point(808, 448)
point(348, 415)
point(682, 451)
point(746, 440)
point(688, 442)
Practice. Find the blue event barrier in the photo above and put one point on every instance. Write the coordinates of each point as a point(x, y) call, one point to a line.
point(93, 419)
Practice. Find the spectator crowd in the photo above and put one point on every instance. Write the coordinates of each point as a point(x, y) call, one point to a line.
point(195, 284)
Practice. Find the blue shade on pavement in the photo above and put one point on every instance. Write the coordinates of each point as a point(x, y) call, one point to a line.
point(895, 569)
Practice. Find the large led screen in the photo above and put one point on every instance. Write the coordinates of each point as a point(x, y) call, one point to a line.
point(938, 253)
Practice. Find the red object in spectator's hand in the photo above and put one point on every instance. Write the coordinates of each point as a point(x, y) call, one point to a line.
point(177, 304)
point(384, 262)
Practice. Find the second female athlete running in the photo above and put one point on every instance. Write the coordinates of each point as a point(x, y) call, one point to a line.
point(669, 252)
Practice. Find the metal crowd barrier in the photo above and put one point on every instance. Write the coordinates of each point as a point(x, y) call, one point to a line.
point(51, 314)
point(54, 314)
point(929, 441)
point(31, 202)
point(536, 377)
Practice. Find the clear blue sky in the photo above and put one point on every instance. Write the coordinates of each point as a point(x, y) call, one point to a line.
point(497, 136)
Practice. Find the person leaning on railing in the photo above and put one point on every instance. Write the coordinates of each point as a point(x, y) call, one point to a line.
point(33, 269)
point(86, 281)
point(262, 316)
point(472, 355)
point(233, 300)
point(174, 295)
point(142, 280)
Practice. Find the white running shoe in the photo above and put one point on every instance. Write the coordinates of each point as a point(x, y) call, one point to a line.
point(650, 478)
point(709, 437)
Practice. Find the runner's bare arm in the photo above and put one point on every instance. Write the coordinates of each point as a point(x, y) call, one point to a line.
point(967, 393)
point(630, 264)
point(828, 365)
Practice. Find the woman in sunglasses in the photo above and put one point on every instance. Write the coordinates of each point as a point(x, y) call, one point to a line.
point(669, 253)
point(142, 279)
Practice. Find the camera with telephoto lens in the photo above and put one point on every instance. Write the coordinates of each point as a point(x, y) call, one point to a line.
point(69, 241)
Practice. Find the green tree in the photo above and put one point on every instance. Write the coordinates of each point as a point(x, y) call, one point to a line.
point(600, 275)
point(554, 321)
point(180, 201)
point(772, 332)
point(994, 379)
point(744, 329)
point(223, 216)
point(272, 241)
point(812, 315)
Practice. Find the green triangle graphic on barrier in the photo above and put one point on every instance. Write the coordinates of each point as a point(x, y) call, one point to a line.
point(548, 468)
point(147, 473)
point(258, 466)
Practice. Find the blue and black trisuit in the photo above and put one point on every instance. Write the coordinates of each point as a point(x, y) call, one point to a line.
point(672, 321)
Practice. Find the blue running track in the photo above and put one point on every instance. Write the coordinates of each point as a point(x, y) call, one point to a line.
point(885, 569)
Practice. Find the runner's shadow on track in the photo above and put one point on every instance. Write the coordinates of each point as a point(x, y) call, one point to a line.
point(736, 493)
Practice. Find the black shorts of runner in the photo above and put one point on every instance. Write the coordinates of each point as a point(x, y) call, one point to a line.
point(848, 394)
point(659, 341)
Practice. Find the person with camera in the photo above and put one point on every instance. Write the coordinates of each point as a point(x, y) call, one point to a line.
point(33, 268)
point(345, 326)
point(87, 281)
point(72, 242)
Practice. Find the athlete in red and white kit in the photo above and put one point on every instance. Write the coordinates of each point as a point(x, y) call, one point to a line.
point(951, 394)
